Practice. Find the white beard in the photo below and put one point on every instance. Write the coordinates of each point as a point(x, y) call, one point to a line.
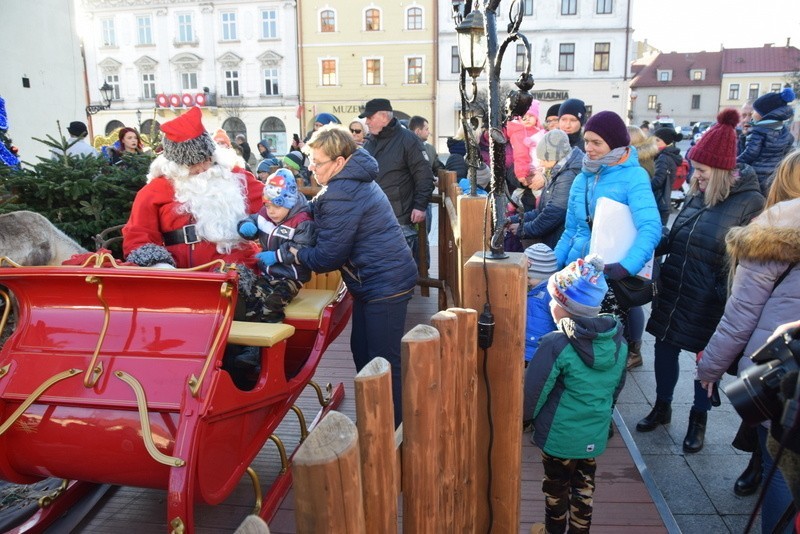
point(216, 200)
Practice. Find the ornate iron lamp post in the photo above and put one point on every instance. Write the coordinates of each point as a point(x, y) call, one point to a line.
point(106, 93)
point(472, 42)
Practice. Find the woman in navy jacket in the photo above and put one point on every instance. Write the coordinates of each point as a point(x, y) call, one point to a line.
point(359, 235)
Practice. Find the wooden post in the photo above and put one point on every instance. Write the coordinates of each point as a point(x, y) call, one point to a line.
point(504, 363)
point(375, 422)
point(421, 405)
point(471, 222)
point(327, 479)
point(466, 406)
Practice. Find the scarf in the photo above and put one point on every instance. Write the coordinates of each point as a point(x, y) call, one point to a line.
point(592, 166)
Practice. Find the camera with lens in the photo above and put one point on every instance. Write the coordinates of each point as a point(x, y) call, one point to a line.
point(765, 390)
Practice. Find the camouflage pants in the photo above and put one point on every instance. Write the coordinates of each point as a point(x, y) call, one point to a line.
point(268, 298)
point(568, 487)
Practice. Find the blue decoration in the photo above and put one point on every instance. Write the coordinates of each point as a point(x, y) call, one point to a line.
point(3, 115)
point(8, 157)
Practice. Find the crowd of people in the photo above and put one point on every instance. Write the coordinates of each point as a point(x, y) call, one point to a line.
point(724, 266)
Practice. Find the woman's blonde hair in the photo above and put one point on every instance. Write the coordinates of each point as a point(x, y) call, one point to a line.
point(334, 140)
point(718, 187)
point(646, 149)
point(786, 184)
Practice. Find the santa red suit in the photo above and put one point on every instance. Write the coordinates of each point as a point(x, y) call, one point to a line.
point(187, 213)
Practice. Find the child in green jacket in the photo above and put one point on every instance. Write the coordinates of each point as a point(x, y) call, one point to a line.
point(569, 392)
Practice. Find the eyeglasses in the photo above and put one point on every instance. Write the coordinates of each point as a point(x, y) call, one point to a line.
point(319, 164)
point(355, 131)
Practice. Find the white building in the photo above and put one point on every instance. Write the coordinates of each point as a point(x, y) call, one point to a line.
point(579, 49)
point(42, 81)
point(237, 59)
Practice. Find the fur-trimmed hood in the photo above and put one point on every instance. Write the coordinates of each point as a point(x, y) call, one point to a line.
point(772, 236)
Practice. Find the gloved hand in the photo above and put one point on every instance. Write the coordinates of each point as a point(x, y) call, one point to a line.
point(513, 219)
point(615, 271)
point(267, 258)
point(247, 229)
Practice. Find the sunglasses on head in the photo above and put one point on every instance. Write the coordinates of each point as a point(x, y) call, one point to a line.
point(355, 131)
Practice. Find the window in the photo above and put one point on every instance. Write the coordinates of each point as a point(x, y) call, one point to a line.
point(698, 75)
point(113, 81)
point(109, 35)
point(372, 72)
point(269, 24)
point(188, 81)
point(566, 56)
point(228, 26)
point(695, 101)
point(752, 91)
point(414, 18)
point(274, 131)
point(372, 20)
point(527, 7)
point(455, 61)
point(414, 70)
point(327, 21)
point(271, 82)
point(144, 30)
point(602, 52)
point(148, 85)
point(652, 101)
point(664, 75)
point(569, 7)
point(605, 7)
point(775, 88)
point(185, 33)
point(733, 91)
point(329, 72)
point(519, 64)
point(231, 83)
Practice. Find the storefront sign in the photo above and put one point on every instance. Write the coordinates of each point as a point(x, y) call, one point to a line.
point(551, 94)
point(345, 110)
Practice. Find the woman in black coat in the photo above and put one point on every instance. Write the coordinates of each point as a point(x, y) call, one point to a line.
point(358, 234)
point(693, 281)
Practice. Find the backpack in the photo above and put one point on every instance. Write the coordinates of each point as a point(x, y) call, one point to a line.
point(681, 174)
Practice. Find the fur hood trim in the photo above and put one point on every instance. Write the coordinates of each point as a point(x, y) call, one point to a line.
point(758, 242)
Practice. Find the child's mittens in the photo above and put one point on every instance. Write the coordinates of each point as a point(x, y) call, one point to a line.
point(267, 258)
point(247, 229)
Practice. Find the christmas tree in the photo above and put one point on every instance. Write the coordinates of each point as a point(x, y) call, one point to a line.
point(8, 152)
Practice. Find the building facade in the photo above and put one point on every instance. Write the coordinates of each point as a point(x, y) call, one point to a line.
point(748, 73)
point(236, 59)
point(579, 49)
point(42, 82)
point(682, 86)
point(351, 52)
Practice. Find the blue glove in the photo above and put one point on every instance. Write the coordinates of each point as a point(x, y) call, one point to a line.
point(267, 258)
point(247, 229)
point(615, 271)
point(513, 219)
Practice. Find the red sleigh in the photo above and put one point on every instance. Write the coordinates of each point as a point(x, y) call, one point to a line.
point(114, 375)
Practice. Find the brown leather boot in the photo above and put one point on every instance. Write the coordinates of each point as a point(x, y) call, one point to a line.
point(634, 355)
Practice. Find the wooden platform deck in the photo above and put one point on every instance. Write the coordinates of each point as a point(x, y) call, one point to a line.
point(622, 502)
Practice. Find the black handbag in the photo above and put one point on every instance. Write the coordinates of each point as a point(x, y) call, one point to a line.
point(633, 291)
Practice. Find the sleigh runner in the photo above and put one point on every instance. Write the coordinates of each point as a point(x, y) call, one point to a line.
point(114, 375)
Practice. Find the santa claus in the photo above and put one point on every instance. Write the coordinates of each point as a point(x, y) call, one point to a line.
point(187, 213)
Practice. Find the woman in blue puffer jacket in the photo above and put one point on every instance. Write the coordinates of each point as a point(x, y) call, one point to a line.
point(610, 169)
point(359, 235)
point(769, 139)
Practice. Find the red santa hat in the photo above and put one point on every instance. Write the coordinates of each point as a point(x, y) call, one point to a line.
point(185, 139)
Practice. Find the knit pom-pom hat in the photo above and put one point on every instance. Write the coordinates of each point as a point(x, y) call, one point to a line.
point(280, 189)
point(768, 103)
point(717, 147)
point(580, 287)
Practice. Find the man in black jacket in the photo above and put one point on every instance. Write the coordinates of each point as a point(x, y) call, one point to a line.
point(404, 171)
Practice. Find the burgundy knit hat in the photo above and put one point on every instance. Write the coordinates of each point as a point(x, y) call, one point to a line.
point(610, 127)
point(717, 147)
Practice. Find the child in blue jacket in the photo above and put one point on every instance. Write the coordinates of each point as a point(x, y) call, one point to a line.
point(539, 321)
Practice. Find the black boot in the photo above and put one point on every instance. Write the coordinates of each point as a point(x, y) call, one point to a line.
point(750, 479)
point(696, 433)
point(661, 414)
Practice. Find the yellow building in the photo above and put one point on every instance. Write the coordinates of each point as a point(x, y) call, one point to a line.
point(351, 52)
point(748, 73)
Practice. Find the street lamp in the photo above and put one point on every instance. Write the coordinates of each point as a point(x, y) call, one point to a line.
point(477, 44)
point(139, 119)
point(106, 93)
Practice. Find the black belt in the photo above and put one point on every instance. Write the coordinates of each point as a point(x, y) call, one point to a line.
point(182, 236)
